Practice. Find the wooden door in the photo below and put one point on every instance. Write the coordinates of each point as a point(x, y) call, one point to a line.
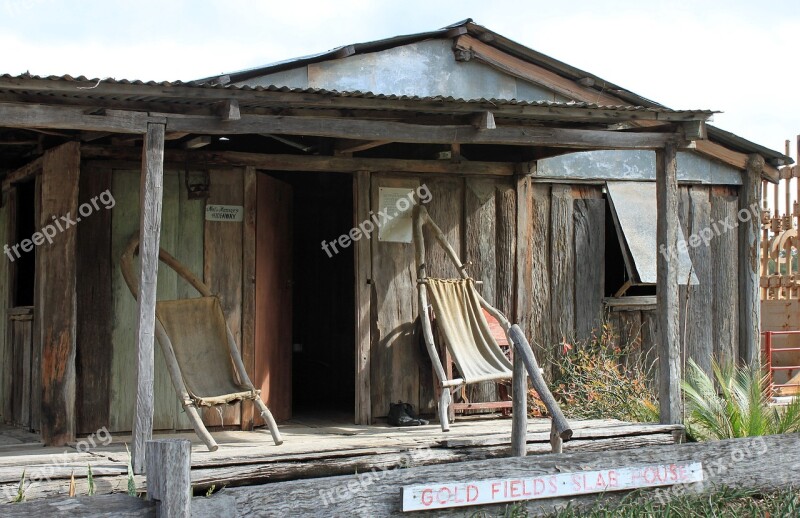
point(273, 334)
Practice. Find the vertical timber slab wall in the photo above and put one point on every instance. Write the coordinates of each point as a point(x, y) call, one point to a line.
point(5, 297)
point(725, 268)
point(189, 251)
point(56, 295)
point(708, 310)
point(562, 269)
point(696, 301)
point(562, 264)
point(182, 236)
point(94, 306)
point(222, 270)
point(589, 216)
point(533, 264)
point(478, 217)
point(394, 351)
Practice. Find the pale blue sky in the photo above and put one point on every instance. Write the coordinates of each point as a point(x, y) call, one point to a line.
point(736, 56)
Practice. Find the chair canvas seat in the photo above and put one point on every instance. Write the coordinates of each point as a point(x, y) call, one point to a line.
point(198, 334)
point(467, 334)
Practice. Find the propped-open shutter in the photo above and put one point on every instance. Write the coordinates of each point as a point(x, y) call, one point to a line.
point(633, 208)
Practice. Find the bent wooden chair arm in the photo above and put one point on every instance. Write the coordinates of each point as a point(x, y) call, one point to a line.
point(126, 265)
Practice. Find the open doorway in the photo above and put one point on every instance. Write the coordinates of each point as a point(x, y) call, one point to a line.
point(323, 334)
point(318, 351)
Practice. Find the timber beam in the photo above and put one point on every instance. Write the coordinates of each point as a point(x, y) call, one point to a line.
point(118, 121)
point(32, 116)
point(344, 147)
point(362, 129)
point(221, 159)
point(25, 172)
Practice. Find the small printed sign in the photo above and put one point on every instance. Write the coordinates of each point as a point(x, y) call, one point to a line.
point(394, 214)
point(231, 213)
point(460, 494)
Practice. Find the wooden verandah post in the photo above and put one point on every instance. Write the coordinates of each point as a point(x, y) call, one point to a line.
point(749, 285)
point(55, 301)
point(150, 199)
point(669, 344)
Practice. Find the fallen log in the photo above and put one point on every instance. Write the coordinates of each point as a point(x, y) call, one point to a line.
point(759, 463)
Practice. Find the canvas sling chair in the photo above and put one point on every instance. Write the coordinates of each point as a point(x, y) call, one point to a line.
point(199, 349)
point(457, 306)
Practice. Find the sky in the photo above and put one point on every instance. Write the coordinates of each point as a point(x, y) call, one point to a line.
point(738, 57)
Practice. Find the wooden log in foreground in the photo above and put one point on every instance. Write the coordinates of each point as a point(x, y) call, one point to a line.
point(759, 463)
point(169, 480)
point(84, 506)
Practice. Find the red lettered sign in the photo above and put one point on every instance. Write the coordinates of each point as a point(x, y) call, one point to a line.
point(495, 491)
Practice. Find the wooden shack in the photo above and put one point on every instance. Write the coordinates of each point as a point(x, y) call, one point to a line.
point(526, 163)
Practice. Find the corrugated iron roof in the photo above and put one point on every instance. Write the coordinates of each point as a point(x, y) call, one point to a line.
point(91, 88)
point(515, 49)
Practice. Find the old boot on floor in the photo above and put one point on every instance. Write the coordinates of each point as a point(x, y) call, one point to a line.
point(403, 414)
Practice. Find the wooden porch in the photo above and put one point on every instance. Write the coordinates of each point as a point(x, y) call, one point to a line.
point(313, 447)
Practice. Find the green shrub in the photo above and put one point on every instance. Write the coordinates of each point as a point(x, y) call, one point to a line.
point(596, 379)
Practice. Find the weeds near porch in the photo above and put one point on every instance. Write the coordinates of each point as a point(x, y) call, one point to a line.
point(733, 403)
point(599, 379)
point(20, 490)
point(90, 480)
point(515, 510)
point(131, 479)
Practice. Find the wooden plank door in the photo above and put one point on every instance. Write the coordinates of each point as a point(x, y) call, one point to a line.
point(273, 309)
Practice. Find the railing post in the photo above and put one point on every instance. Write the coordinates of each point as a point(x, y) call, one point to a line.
point(768, 355)
point(169, 481)
point(519, 411)
point(523, 351)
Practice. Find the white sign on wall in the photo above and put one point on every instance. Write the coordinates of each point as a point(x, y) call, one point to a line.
point(394, 214)
point(460, 494)
point(232, 213)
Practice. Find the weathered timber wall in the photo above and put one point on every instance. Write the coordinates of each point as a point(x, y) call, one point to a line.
point(477, 215)
point(562, 273)
point(560, 270)
point(708, 310)
point(183, 234)
point(5, 352)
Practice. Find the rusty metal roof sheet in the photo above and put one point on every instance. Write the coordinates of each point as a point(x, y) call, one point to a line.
point(94, 88)
point(513, 48)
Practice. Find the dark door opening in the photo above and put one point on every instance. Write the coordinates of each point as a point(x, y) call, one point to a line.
point(24, 264)
point(323, 297)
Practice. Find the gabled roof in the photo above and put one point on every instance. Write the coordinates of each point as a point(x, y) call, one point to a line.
point(512, 48)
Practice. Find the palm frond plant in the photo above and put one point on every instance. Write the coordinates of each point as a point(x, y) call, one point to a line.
point(733, 403)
